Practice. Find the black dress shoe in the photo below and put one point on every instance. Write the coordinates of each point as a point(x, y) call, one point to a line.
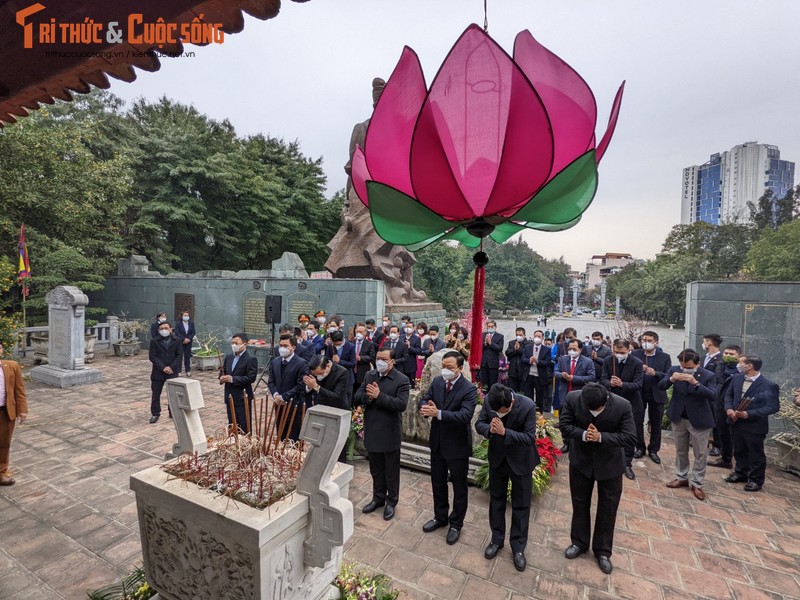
point(371, 507)
point(388, 512)
point(452, 535)
point(574, 551)
point(654, 457)
point(433, 525)
point(154, 418)
point(605, 564)
point(721, 463)
point(492, 550)
point(629, 473)
point(714, 452)
point(519, 561)
point(751, 486)
point(564, 448)
point(735, 478)
point(638, 453)
point(6, 480)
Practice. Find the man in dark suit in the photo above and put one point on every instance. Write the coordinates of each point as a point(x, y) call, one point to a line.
point(397, 345)
point(711, 344)
point(160, 318)
point(374, 333)
point(364, 355)
point(384, 396)
point(573, 371)
point(623, 375)
point(286, 372)
point(508, 420)
point(303, 351)
point(750, 400)
point(343, 353)
point(450, 402)
point(655, 365)
point(433, 344)
point(692, 419)
point(185, 332)
point(413, 343)
point(314, 340)
point(327, 383)
point(597, 352)
point(600, 426)
point(726, 369)
point(239, 372)
point(13, 410)
point(537, 367)
point(165, 354)
point(490, 359)
point(515, 354)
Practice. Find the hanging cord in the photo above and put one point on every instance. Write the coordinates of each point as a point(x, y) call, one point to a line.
point(485, 16)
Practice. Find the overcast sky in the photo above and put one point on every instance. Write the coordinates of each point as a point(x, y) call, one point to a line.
point(702, 77)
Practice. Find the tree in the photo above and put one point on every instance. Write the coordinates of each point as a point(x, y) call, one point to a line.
point(774, 257)
point(762, 212)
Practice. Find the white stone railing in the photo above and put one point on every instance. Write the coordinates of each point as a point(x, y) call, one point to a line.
point(106, 334)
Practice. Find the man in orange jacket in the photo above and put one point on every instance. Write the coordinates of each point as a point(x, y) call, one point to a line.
point(13, 408)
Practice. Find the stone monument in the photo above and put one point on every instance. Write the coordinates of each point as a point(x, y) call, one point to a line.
point(185, 398)
point(65, 368)
point(357, 251)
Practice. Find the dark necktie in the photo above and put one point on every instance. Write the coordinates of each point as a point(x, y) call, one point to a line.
point(449, 386)
point(284, 362)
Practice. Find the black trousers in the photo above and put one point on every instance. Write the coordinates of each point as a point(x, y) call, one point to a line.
point(521, 492)
point(655, 414)
point(385, 470)
point(457, 469)
point(515, 382)
point(722, 431)
point(156, 387)
point(241, 418)
point(292, 421)
point(609, 492)
point(638, 420)
point(489, 376)
point(187, 357)
point(748, 451)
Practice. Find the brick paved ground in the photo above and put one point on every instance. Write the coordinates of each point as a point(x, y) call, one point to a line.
point(69, 524)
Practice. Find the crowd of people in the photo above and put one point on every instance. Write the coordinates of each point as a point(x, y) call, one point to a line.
point(603, 392)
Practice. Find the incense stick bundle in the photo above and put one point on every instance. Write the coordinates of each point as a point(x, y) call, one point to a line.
point(233, 419)
point(247, 415)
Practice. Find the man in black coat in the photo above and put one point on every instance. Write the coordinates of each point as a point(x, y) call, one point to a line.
point(397, 345)
point(515, 354)
point(165, 354)
point(597, 352)
point(599, 426)
point(655, 364)
point(750, 400)
point(328, 385)
point(384, 396)
point(365, 355)
point(726, 369)
point(490, 359)
point(160, 318)
point(508, 420)
point(374, 333)
point(623, 375)
point(413, 344)
point(185, 332)
point(286, 372)
point(450, 402)
point(537, 371)
point(239, 372)
point(691, 417)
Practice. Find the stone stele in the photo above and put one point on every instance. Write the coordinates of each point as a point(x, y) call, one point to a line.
point(185, 401)
point(66, 340)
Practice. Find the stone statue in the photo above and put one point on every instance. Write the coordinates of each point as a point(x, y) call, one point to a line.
point(356, 250)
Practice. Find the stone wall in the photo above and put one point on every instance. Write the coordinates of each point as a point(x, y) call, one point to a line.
point(761, 317)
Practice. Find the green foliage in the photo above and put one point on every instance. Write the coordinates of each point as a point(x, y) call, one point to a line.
point(775, 256)
point(516, 276)
point(360, 585)
point(131, 587)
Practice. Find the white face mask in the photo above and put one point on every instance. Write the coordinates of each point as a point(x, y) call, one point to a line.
point(597, 343)
point(165, 333)
point(323, 376)
point(382, 366)
point(421, 331)
point(310, 333)
point(648, 345)
point(491, 330)
point(741, 367)
point(321, 319)
point(574, 353)
point(620, 356)
point(283, 351)
point(359, 336)
point(537, 340)
point(461, 336)
point(520, 338)
point(453, 331)
point(235, 348)
point(162, 320)
point(393, 336)
point(185, 319)
point(332, 328)
point(448, 374)
point(409, 330)
point(689, 370)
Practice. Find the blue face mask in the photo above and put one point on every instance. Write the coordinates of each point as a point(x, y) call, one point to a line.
point(491, 330)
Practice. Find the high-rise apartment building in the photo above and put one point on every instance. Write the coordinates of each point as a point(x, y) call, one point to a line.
point(719, 190)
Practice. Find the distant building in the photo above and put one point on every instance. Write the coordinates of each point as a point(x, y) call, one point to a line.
point(602, 265)
point(719, 190)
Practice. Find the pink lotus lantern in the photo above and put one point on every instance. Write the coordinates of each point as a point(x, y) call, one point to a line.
point(497, 145)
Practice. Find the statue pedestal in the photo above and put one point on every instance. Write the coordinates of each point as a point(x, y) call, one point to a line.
point(431, 313)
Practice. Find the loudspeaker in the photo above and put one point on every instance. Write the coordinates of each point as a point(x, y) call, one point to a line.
point(273, 309)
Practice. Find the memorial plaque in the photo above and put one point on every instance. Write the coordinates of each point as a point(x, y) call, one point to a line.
point(302, 302)
point(254, 321)
point(183, 302)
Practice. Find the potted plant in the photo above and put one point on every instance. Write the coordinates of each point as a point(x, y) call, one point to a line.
point(207, 358)
point(129, 345)
point(788, 442)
